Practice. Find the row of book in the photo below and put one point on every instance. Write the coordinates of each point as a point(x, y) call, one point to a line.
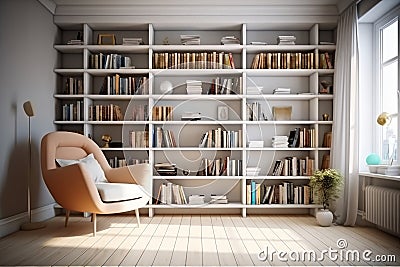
point(302, 137)
point(220, 167)
point(109, 61)
point(73, 86)
point(254, 112)
point(170, 193)
point(109, 112)
point(193, 60)
point(283, 193)
point(289, 60)
point(140, 112)
point(226, 86)
point(73, 111)
point(293, 166)
point(162, 113)
point(163, 138)
point(139, 139)
point(124, 85)
point(219, 138)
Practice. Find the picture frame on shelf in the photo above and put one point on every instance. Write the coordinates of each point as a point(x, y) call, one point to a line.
point(106, 39)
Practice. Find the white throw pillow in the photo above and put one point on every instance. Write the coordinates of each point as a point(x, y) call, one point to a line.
point(92, 166)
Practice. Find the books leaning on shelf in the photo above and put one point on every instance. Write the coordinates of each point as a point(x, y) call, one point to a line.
point(163, 138)
point(73, 86)
point(253, 111)
point(132, 41)
point(218, 199)
point(284, 60)
point(170, 193)
point(280, 141)
point(109, 112)
point(73, 111)
point(227, 40)
point(193, 60)
point(326, 60)
point(293, 166)
point(220, 167)
point(139, 139)
point(226, 86)
point(124, 85)
point(327, 141)
point(110, 61)
point(283, 193)
point(302, 137)
point(162, 113)
point(221, 139)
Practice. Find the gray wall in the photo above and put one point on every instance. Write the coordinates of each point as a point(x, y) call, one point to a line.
point(28, 58)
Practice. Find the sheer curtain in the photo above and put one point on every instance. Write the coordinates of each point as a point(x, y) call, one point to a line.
point(345, 104)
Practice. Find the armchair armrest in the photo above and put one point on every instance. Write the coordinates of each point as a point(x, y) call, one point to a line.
point(138, 174)
point(73, 188)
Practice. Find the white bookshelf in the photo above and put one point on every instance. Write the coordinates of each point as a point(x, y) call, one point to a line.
point(307, 103)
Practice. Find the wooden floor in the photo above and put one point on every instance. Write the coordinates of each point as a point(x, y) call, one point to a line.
point(195, 240)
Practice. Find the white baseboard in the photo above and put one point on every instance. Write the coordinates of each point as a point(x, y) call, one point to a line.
point(12, 224)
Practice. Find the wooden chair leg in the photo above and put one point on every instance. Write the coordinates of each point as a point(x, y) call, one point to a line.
point(94, 223)
point(67, 212)
point(137, 217)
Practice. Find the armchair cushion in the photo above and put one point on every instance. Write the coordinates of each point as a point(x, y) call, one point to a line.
point(91, 164)
point(116, 192)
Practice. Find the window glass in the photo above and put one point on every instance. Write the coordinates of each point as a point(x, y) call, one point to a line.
point(390, 41)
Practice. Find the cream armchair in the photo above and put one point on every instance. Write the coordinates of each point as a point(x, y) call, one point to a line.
point(128, 188)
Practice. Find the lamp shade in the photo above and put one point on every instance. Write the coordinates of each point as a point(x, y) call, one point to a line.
point(28, 108)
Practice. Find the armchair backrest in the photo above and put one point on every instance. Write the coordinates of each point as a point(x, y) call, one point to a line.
point(68, 145)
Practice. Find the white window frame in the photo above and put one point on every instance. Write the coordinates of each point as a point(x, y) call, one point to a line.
point(377, 103)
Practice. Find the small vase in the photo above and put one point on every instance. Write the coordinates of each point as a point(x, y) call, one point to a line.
point(324, 217)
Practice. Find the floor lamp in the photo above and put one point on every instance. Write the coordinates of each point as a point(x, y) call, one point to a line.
point(30, 225)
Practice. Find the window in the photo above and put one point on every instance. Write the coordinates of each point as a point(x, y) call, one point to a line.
point(387, 35)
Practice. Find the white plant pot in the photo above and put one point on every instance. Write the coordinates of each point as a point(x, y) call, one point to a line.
point(324, 217)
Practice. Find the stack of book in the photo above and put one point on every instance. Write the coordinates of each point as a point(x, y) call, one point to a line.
point(132, 41)
point(196, 199)
point(194, 87)
point(256, 143)
point(280, 141)
point(190, 39)
point(258, 43)
point(218, 199)
point(254, 90)
point(286, 40)
point(281, 91)
point(75, 42)
point(229, 40)
point(166, 169)
point(253, 171)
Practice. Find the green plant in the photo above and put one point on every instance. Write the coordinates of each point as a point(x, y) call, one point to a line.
point(326, 184)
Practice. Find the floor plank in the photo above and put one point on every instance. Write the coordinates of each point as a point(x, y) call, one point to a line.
point(208, 240)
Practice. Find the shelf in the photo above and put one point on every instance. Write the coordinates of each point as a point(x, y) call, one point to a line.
point(277, 48)
point(197, 97)
point(118, 48)
point(117, 122)
point(235, 48)
point(125, 149)
point(280, 72)
point(280, 122)
point(72, 72)
point(189, 177)
point(202, 206)
point(196, 149)
point(70, 49)
point(284, 206)
point(269, 177)
point(118, 97)
point(200, 122)
point(63, 96)
point(281, 148)
point(69, 122)
point(195, 72)
point(103, 72)
point(289, 97)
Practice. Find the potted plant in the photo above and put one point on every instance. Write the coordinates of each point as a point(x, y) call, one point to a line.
point(326, 185)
